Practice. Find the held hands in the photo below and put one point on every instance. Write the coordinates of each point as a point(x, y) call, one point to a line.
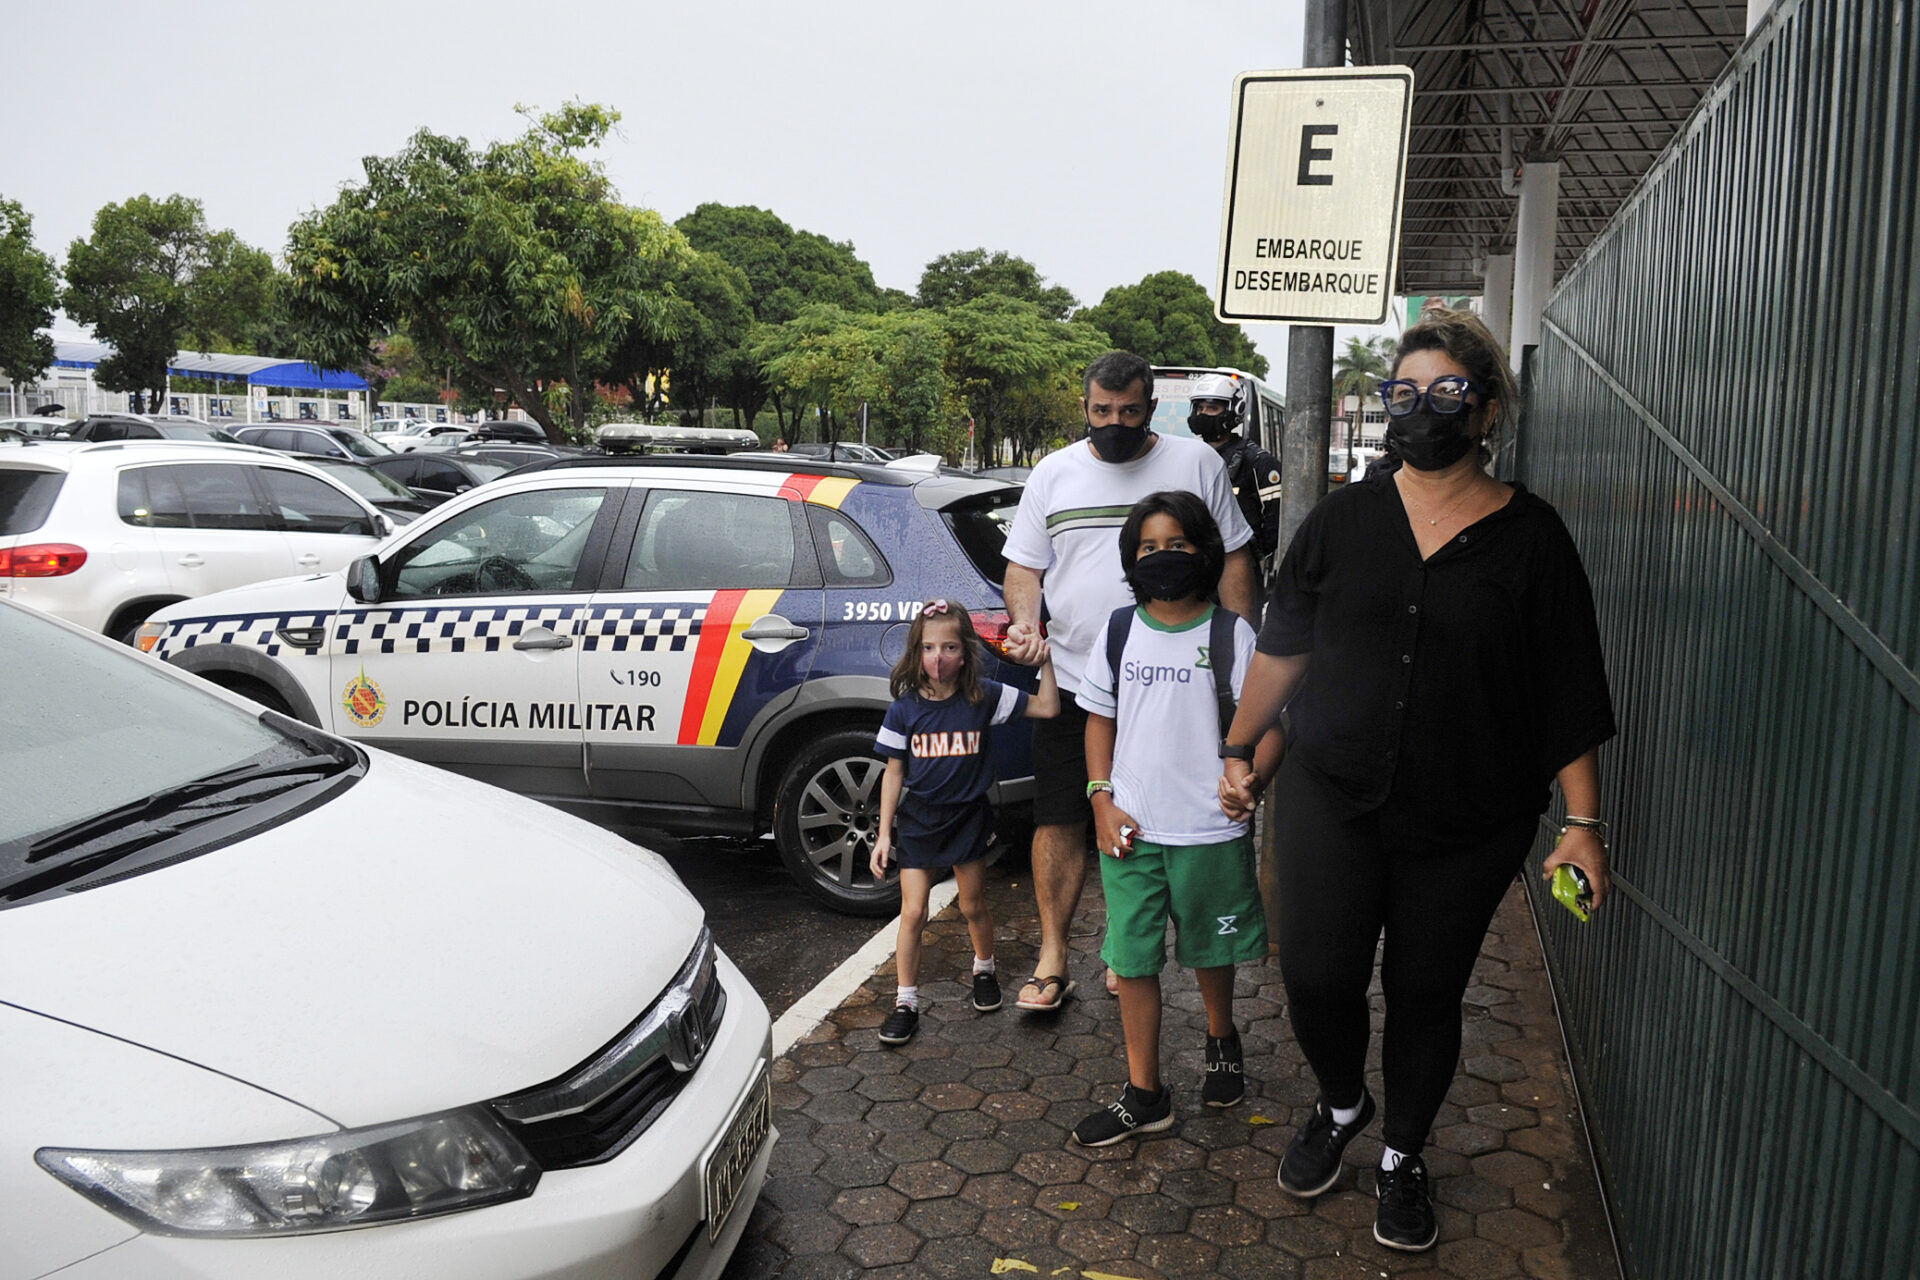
point(1239, 790)
point(1113, 826)
point(1025, 644)
point(1581, 847)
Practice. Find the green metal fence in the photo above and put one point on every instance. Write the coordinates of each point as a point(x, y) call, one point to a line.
point(1725, 408)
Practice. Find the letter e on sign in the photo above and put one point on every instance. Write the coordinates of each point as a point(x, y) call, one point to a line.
point(1317, 162)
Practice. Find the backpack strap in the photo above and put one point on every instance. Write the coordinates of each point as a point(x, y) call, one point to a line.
point(1119, 623)
point(1220, 658)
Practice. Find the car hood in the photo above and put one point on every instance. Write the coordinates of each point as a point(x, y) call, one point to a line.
point(317, 592)
point(419, 942)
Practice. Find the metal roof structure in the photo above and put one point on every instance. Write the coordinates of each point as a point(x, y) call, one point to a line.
point(259, 371)
point(1600, 85)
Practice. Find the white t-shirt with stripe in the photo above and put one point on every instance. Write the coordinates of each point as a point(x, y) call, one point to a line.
point(1068, 528)
point(1166, 749)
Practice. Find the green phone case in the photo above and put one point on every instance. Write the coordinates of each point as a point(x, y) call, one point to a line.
point(1568, 891)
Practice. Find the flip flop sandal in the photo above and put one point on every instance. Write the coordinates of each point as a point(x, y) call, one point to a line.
point(1046, 1006)
point(1113, 983)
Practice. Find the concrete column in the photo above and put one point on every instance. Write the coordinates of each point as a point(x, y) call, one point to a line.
point(1496, 296)
point(1533, 252)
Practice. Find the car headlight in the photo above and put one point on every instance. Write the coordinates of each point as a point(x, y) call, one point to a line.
point(410, 1169)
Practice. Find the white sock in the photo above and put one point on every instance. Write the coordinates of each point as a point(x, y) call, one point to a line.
point(1347, 1115)
point(908, 996)
point(983, 966)
point(1390, 1159)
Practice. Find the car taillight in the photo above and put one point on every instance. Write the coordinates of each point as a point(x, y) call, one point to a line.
point(992, 629)
point(41, 560)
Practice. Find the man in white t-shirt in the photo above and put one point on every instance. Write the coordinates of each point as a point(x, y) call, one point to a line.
point(1064, 545)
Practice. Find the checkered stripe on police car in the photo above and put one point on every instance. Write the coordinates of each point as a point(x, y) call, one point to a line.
point(644, 627)
point(261, 630)
point(454, 629)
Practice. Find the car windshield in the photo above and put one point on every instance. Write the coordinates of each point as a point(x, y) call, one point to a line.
point(194, 431)
point(980, 526)
point(374, 486)
point(360, 446)
point(99, 729)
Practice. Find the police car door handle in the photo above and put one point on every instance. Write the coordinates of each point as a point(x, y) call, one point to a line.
point(771, 633)
point(543, 638)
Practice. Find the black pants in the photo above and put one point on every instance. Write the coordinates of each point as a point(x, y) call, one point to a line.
point(1340, 885)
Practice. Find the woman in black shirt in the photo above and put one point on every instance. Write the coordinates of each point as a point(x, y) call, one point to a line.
point(1432, 635)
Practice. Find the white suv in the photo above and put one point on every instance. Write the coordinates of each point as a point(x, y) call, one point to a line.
point(104, 534)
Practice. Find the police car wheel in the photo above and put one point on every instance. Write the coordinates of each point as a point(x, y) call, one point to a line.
point(826, 815)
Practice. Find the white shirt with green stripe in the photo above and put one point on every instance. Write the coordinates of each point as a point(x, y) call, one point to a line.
point(1068, 529)
point(1166, 743)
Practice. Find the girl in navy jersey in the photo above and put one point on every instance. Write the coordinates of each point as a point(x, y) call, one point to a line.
point(934, 740)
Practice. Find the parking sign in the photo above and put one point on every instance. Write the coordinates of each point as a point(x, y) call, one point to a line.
point(1316, 176)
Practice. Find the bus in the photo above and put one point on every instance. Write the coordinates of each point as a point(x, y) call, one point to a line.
point(1263, 411)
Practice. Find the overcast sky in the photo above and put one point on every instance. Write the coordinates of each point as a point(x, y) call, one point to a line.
point(1089, 138)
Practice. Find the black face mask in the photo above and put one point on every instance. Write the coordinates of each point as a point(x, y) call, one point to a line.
point(1211, 427)
point(1169, 575)
point(1116, 443)
point(1430, 441)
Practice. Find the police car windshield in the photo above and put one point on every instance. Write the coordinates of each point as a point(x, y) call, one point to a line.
point(1170, 415)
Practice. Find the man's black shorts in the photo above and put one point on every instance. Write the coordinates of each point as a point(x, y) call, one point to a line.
point(1060, 767)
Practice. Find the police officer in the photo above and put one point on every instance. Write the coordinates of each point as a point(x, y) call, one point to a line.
point(1255, 473)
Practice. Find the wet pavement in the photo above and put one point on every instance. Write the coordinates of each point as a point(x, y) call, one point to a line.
point(949, 1156)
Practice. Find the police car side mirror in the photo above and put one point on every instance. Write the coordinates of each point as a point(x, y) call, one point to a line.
point(363, 580)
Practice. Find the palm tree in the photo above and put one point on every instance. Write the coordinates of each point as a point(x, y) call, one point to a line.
point(1357, 371)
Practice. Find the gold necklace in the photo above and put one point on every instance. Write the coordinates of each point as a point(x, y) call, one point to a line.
point(1434, 520)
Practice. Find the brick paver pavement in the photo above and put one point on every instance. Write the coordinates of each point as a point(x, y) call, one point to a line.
point(949, 1156)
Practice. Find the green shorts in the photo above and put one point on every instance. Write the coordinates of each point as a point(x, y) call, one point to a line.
point(1211, 890)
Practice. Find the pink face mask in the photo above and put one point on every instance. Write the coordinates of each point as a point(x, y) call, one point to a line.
point(940, 667)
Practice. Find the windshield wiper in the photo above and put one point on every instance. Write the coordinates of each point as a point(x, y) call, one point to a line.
point(146, 811)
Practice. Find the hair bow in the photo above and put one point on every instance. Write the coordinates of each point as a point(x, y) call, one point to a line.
point(935, 606)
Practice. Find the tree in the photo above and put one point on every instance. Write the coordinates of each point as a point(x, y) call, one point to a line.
point(787, 271)
point(703, 317)
point(1168, 319)
point(515, 268)
point(1002, 346)
point(1357, 371)
point(151, 278)
point(966, 274)
point(27, 297)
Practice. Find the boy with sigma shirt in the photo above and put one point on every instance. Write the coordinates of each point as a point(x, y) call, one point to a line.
point(1064, 545)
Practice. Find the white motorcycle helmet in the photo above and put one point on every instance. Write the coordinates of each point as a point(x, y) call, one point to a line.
point(1215, 387)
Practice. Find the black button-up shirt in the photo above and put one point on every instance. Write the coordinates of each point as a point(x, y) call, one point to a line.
point(1448, 691)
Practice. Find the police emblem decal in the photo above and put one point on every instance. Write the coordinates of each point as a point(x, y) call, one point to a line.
point(363, 701)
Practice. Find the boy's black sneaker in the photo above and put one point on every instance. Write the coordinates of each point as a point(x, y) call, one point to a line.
point(899, 1026)
point(1224, 1085)
point(986, 992)
point(1312, 1162)
point(1137, 1112)
point(1404, 1219)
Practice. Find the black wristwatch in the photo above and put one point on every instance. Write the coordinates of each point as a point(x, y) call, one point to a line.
point(1230, 752)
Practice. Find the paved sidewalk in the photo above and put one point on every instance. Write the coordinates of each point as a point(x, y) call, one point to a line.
point(950, 1156)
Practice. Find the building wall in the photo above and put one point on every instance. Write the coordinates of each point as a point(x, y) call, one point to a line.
point(1724, 410)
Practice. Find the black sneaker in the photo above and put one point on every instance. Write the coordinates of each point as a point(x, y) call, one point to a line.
point(1404, 1219)
point(1137, 1112)
point(1224, 1085)
point(1312, 1162)
point(986, 992)
point(899, 1026)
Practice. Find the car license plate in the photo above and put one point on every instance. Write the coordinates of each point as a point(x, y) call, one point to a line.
point(727, 1165)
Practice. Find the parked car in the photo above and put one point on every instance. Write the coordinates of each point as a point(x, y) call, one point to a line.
point(510, 429)
point(513, 456)
point(104, 534)
point(127, 426)
point(276, 1004)
point(841, 451)
point(442, 438)
point(697, 644)
point(435, 477)
point(327, 440)
point(399, 503)
point(37, 427)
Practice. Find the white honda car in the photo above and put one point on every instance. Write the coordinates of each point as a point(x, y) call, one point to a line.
point(274, 1004)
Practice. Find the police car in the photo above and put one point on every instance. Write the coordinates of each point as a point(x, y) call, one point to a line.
point(701, 644)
